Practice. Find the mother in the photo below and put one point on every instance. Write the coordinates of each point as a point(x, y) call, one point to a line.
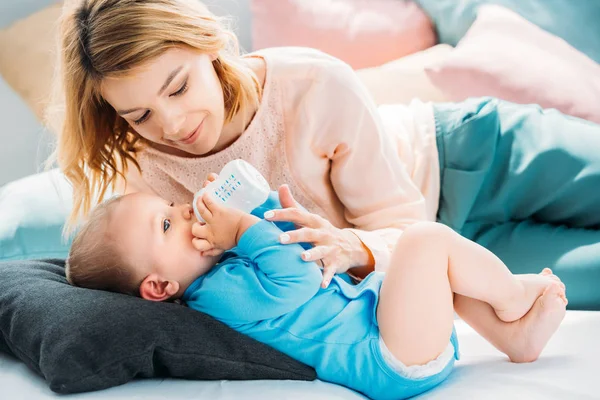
point(157, 97)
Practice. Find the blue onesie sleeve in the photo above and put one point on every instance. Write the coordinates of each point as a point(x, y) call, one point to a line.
point(272, 203)
point(265, 280)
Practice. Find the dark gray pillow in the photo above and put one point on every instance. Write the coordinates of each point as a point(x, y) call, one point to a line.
point(83, 340)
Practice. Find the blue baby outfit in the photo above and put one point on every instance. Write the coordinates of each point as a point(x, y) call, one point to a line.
point(264, 290)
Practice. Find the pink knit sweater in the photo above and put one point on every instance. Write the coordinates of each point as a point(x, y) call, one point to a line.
point(371, 169)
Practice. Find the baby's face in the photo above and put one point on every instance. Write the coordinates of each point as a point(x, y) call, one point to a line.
point(157, 238)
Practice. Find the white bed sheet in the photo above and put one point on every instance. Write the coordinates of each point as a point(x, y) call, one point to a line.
point(567, 370)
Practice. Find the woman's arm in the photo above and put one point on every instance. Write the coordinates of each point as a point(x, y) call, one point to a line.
point(338, 121)
point(368, 174)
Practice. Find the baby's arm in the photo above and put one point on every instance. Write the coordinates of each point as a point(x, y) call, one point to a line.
point(265, 280)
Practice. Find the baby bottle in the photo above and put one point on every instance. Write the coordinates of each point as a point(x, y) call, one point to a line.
point(239, 185)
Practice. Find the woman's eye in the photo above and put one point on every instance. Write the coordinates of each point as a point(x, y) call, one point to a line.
point(142, 118)
point(166, 225)
point(181, 90)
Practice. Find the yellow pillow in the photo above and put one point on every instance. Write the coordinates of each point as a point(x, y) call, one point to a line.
point(404, 79)
point(28, 55)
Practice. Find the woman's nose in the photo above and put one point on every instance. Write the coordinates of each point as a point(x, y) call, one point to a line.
point(172, 124)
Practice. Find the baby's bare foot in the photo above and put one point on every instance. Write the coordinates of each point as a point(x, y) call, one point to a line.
point(532, 332)
point(533, 285)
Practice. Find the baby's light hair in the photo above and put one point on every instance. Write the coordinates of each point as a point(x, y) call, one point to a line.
point(96, 260)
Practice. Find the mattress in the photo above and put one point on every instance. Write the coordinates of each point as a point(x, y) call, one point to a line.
point(567, 370)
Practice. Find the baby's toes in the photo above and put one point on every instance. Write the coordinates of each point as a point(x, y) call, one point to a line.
point(547, 272)
point(557, 279)
point(563, 294)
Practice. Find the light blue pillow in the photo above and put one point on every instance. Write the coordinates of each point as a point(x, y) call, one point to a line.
point(33, 211)
point(575, 21)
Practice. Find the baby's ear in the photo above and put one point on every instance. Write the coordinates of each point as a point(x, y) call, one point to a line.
point(155, 288)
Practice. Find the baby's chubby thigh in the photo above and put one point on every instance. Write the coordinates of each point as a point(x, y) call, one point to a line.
point(415, 312)
point(380, 376)
point(401, 381)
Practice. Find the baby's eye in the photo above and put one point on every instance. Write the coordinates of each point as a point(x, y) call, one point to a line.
point(166, 225)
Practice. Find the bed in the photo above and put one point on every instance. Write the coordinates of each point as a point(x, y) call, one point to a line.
point(567, 370)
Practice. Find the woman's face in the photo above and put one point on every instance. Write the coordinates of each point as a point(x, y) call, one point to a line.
point(174, 101)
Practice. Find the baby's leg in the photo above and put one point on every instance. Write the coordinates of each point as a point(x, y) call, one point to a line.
point(429, 264)
point(522, 340)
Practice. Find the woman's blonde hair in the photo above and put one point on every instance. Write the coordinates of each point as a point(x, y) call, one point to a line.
point(96, 258)
point(109, 38)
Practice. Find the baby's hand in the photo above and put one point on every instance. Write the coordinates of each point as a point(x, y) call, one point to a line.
point(210, 178)
point(202, 245)
point(224, 225)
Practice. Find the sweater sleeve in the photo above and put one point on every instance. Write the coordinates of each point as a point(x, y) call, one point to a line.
point(367, 170)
point(265, 281)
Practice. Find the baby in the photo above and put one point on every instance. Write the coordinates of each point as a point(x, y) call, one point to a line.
point(389, 337)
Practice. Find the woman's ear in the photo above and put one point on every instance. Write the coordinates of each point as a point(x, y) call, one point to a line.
point(213, 56)
point(155, 288)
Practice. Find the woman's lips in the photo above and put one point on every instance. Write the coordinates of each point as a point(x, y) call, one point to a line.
point(193, 136)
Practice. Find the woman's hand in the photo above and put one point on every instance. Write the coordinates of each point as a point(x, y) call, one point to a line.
point(224, 225)
point(337, 249)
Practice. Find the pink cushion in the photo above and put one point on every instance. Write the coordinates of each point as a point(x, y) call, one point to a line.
point(363, 33)
point(503, 55)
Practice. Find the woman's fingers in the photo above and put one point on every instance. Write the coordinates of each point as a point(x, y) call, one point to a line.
point(295, 215)
point(331, 265)
point(327, 256)
point(302, 235)
point(285, 197)
point(328, 273)
point(318, 253)
point(328, 240)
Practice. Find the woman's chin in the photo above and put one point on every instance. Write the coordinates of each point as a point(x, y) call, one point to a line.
point(181, 151)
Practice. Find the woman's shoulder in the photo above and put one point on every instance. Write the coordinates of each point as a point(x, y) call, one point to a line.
point(299, 62)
